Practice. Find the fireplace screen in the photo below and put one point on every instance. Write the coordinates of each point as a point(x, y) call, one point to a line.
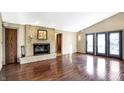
point(41, 48)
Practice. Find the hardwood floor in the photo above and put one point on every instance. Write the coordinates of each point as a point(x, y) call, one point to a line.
point(74, 67)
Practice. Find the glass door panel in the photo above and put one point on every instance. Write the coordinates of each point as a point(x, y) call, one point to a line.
point(101, 43)
point(115, 44)
point(90, 43)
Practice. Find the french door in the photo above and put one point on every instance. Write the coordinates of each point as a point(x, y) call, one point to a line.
point(107, 44)
point(101, 43)
point(90, 43)
point(115, 44)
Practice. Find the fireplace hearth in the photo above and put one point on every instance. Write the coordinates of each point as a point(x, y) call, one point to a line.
point(41, 48)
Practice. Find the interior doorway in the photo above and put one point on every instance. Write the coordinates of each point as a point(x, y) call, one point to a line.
point(59, 44)
point(10, 46)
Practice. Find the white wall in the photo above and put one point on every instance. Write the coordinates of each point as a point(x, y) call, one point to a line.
point(68, 42)
point(0, 42)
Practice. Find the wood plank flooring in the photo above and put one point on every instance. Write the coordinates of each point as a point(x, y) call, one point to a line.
point(76, 67)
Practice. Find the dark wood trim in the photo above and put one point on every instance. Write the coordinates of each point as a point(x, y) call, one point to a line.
point(120, 45)
point(92, 53)
point(101, 54)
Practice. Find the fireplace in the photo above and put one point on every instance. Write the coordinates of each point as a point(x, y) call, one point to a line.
point(41, 48)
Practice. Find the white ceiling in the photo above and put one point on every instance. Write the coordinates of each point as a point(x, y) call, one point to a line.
point(67, 21)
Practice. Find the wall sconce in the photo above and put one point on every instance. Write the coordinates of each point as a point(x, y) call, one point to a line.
point(79, 37)
point(31, 36)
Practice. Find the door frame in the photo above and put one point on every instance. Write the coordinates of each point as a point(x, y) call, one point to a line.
point(61, 43)
point(4, 37)
point(92, 53)
point(120, 44)
point(101, 54)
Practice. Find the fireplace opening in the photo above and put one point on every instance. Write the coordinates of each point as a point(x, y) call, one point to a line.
point(41, 48)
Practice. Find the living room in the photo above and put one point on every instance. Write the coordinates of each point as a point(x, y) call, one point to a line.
point(60, 51)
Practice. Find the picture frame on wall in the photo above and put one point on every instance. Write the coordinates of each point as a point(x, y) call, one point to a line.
point(42, 34)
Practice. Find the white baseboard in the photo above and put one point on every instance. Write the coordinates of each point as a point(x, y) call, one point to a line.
point(36, 58)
